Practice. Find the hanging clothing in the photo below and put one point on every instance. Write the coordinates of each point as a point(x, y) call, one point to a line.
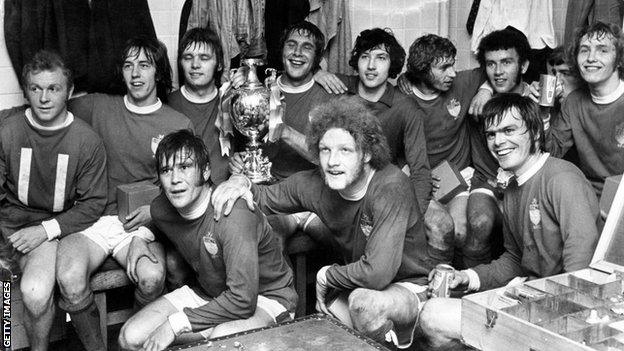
point(90, 40)
point(332, 18)
point(534, 18)
point(584, 12)
point(59, 25)
point(113, 22)
point(472, 16)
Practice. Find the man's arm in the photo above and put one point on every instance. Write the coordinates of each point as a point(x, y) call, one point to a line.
point(295, 140)
point(558, 136)
point(508, 266)
point(576, 209)
point(416, 156)
point(392, 208)
point(82, 107)
point(238, 240)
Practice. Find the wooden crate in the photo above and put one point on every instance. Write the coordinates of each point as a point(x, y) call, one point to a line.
point(556, 313)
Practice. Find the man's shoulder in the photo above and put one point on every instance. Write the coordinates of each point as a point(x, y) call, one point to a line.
point(390, 178)
point(173, 114)
point(85, 132)
point(561, 170)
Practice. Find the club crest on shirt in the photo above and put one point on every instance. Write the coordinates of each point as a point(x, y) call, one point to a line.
point(210, 244)
point(155, 142)
point(366, 224)
point(534, 213)
point(619, 135)
point(454, 107)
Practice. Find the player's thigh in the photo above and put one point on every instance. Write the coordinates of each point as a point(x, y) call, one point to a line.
point(78, 257)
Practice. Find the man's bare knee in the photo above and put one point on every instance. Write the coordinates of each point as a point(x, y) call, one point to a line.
point(151, 277)
point(36, 297)
point(440, 227)
point(129, 337)
point(440, 320)
point(73, 283)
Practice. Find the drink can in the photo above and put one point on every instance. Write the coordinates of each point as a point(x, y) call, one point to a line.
point(548, 85)
point(442, 280)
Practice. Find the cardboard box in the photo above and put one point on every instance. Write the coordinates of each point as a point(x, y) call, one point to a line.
point(608, 193)
point(451, 181)
point(581, 310)
point(134, 195)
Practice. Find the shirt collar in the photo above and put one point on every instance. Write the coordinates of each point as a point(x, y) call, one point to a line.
point(31, 120)
point(603, 100)
point(360, 194)
point(200, 209)
point(196, 99)
point(388, 95)
point(423, 96)
point(524, 177)
point(294, 90)
point(142, 110)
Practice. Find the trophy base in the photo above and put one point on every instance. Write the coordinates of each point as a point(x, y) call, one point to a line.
point(257, 167)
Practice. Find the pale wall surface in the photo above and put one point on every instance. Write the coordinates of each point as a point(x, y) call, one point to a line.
point(407, 18)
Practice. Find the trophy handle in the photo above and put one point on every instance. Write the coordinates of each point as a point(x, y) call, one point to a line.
point(271, 76)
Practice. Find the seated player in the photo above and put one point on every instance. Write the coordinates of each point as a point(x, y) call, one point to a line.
point(52, 183)
point(549, 208)
point(591, 116)
point(444, 96)
point(504, 55)
point(375, 222)
point(131, 126)
point(244, 280)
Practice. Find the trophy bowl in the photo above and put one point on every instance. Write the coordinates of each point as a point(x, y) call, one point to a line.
point(250, 109)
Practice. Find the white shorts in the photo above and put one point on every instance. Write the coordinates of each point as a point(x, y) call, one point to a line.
point(185, 297)
point(109, 234)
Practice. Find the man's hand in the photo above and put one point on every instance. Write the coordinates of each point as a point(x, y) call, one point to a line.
point(404, 85)
point(226, 194)
point(478, 101)
point(534, 91)
point(330, 82)
point(160, 338)
point(321, 290)
point(138, 248)
point(238, 76)
point(435, 183)
point(139, 217)
point(459, 281)
point(28, 239)
point(236, 164)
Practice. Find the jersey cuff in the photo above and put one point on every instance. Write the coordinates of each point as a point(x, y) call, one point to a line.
point(486, 86)
point(474, 283)
point(52, 229)
point(179, 323)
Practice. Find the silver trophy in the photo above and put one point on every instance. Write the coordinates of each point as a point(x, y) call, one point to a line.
point(250, 109)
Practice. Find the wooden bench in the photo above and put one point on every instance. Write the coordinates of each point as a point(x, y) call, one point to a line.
point(110, 276)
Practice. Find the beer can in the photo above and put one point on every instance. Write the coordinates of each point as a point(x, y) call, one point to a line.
point(548, 85)
point(442, 280)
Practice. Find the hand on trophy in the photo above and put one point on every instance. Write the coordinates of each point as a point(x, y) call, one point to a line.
point(236, 164)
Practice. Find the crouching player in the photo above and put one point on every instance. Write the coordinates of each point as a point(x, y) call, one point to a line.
point(374, 219)
point(550, 214)
point(243, 279)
